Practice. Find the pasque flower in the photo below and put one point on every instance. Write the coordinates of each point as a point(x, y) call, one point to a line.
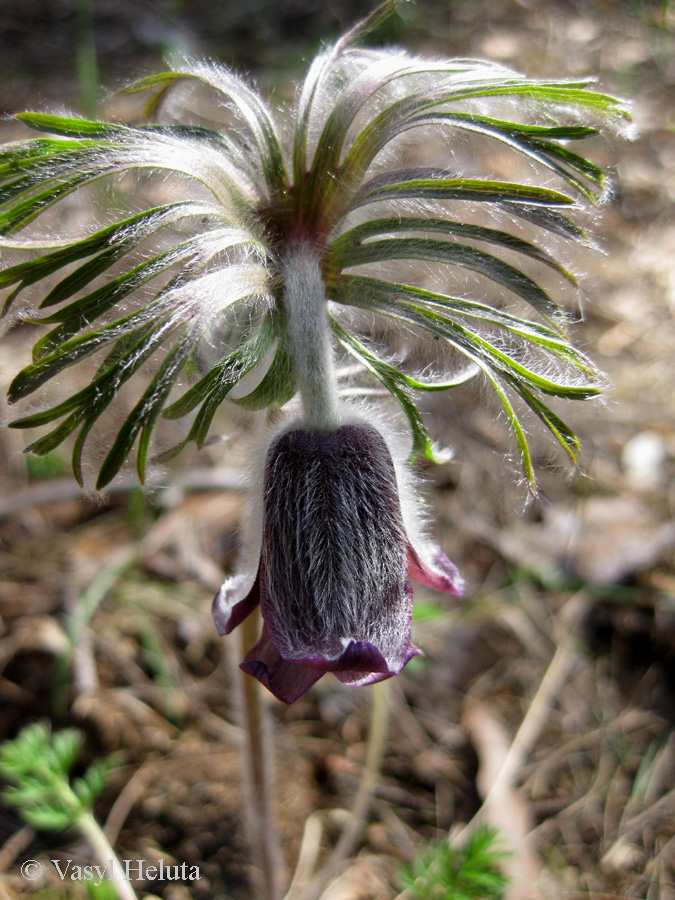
point(333, 574)
point(256, 251)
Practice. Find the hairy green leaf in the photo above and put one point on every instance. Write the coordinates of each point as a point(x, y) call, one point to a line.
point(431, 184)
point(145, 413)
point(396, 383)
point(277, 385)
point(253, 113)
point(462, 255)
point(341, 246)
point(359, 290)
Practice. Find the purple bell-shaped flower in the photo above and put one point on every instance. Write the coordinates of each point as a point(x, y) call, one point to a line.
point(333, 577)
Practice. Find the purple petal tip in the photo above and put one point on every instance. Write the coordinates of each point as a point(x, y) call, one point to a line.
point(234, 601)
point(361, 663)
point(435, 571)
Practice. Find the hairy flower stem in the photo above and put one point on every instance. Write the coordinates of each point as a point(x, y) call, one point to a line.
point(309, 335)
point(259, 770)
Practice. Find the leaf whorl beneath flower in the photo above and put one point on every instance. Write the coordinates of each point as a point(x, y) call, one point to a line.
point(166, 286)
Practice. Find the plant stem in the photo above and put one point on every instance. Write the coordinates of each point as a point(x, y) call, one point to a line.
point(309, 334)
point(104, 853)
point(259, 768)
point(377, 742)
point(80, 611)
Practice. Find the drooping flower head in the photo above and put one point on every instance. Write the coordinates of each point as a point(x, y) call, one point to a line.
point(332, 578)
point(253, 251)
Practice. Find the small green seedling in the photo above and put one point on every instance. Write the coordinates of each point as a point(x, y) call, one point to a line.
point(36, 766)
point(472, 872)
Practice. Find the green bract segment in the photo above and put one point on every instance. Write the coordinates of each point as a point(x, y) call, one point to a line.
point(196, 282)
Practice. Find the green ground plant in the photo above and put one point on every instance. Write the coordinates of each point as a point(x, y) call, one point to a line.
point(36, 766)
point(471, 872)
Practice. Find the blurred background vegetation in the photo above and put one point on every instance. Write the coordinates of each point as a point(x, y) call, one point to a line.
point(566, 640)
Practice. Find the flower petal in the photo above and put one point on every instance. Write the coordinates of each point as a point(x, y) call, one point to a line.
point(361, 663)
point(236, 598)
point(434, 569)
point(355, 676)
point(286, 679)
